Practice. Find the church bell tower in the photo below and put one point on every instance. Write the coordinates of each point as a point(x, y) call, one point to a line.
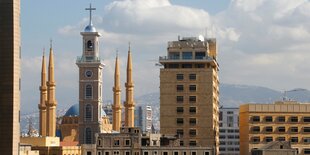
point(90, 84)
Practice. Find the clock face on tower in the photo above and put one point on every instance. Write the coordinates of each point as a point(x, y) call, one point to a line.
point(88, 73)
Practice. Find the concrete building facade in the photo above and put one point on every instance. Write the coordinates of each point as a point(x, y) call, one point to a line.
point(229, 131)
point(10, 76)
point(281, 121)
point(131, 141)
point(189, 93)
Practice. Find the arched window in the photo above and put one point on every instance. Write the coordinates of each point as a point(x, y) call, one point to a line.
point(88, 135)
point(90, 45)
point(88, 91)
point(88, 112)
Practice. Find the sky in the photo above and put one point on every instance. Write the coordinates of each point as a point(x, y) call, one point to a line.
point(260, 42)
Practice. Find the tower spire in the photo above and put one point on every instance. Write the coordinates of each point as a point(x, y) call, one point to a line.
point(129, 103)
point(51, 101)
point(117, 109)
point(43, 98)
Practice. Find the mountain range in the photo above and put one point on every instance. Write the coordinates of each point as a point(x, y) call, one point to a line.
point(231, 95)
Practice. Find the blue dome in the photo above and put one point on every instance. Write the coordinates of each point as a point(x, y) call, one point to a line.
point(73, 110)
point(90, 28)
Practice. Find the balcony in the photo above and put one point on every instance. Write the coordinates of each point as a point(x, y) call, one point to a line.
point(178, 59)
point(83, 59)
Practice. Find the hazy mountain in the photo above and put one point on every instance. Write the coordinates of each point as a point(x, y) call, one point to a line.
point(230, 96)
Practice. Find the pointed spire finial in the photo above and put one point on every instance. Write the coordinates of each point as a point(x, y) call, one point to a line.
point(43, 51)
point(90, 13)
point(51, 43)
point(129, 50)
point(116, 52)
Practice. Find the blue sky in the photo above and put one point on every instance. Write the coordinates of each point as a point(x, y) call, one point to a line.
point(261, 42)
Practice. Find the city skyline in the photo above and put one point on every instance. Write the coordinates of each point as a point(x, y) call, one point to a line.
point(245, 55)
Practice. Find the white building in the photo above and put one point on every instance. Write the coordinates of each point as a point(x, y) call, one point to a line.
point(229, 131)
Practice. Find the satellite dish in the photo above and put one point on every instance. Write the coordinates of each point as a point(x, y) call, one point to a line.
point(201, 38)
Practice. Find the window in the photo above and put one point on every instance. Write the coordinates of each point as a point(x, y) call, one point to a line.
point(230, 121)
point(192, 76)
point(180, 88)
point(268, 119)
point(180, 99)
point(180, 121)
point(222, 130)
point(176, 153)
point(127, 153)
point(192, 110)
point(182, 143)
point(281, 119)
point(88, 112)
point(222, 149)
point(107, 153)
point(88, 135)
point(294, 129)
point(307, 119)
point(307, 129)
point(306, 151)
point(145, 153)
point(174, 55)
point(207, 153)
point(127, 142)
point(256, 139)
point(116, 142)
point(230, 112)
point(192, 121)
point(192, 143)
point(230, 137)
point(193, 153)
point(88, 153)
point(221, 116)
point(88, 91)
point(192, 98)
point(116, 152)
point(192, 88)
point(230, 131)
point(180, 110)
point(165, 153)
point(99, 142)
point(306, 139)
point(200, 55)
point(222, 136)
point(192, 132)
point(294, 119)
point(187, 65)
point(180, 132)
point(180, 77)
point(255, 119)
point(268, 128)
point(281, 129)
point(268, 139)
point(255, 129)
point(281, 139)
point(187, 55)
point(294, 139)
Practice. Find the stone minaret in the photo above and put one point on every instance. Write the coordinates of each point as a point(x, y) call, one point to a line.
point(117, 108)
point(43, 99)
point(51, 101)
point(129, 103)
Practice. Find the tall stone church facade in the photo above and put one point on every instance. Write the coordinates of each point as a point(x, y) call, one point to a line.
point(90, 86)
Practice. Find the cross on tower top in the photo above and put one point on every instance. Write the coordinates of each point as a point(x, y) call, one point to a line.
point(90, 10)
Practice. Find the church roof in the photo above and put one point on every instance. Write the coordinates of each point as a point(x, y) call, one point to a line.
point(90, 28)
point(73, 110)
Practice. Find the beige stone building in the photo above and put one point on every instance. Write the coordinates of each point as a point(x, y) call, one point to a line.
point(275, 148)
point(9, 76)
point(131, 141)
point(281, 121)
point(189, 93)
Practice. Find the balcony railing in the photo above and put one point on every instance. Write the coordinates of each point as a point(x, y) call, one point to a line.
point(185, 58)
point(81, 59)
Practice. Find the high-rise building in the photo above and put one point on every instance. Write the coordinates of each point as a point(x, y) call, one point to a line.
point(229, 131)
point(9, 76)
point(189, 93)
point(90, 85)
point(148, 121)
point(261, 124)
